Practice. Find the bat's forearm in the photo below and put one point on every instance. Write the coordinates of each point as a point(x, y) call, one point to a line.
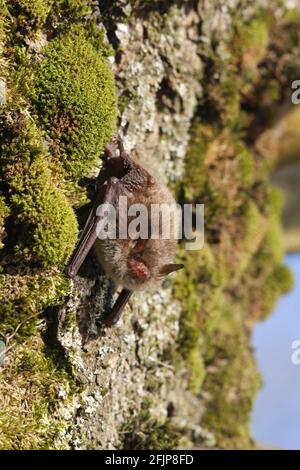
point(93, 227)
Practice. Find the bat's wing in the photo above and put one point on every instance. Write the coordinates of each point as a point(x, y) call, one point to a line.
point(114, 315)
point(106, 194)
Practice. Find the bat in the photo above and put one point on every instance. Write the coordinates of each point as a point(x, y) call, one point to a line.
point(136, 262)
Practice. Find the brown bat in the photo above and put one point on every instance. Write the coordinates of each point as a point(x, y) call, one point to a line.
point(134, 263)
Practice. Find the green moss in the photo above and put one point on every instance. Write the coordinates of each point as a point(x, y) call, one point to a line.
point(238, 276)
point(229, 76)
point(74, 99)
point(248, 237)
point(245, 163)
point(3, 14)
point(198, 289)
point(250, 42)
point(203, 180)
point(143, 432)
point(32, 391)
point(70, 10)
point(197, 369)
point(47, 227)
point(272, 250)
point(267, 277)
point(231, 388)
point(279, 282)
point(283, 279)
point(221, 287)
point(193, 183)
point(221, 103)
point(48, 222)
point(23, 299)
point(4, 212)
point(29, 16)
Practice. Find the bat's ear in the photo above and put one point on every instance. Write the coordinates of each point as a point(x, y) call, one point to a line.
point(169, 268)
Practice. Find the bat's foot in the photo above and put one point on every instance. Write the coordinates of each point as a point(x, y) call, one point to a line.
point(116, 312)
point(111, 320)
point(70, 272)
point(112, 317)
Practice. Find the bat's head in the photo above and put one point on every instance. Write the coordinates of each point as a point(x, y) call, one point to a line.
point(137, 265)
point(149, 262)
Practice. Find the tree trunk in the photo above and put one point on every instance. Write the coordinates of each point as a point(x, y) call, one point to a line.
point(197, 82)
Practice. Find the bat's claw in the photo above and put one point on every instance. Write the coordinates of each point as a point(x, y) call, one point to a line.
point(111, 147)
point(70, 272)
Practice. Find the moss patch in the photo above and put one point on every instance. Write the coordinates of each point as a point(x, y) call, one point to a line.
point(23, 299)
point(238, 276)
point(75, 101)
point(230, 385)
point(143, 432)
point(44, 222)
point(32, 392)
point(250, 42)
point(29, 16)
point(4, 211)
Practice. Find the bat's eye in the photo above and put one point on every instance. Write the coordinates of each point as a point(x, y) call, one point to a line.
point(139, 269)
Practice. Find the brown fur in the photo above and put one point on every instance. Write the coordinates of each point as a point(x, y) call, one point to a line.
point(116, 255)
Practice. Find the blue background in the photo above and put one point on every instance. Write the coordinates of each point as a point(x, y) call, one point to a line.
point(276, 414)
